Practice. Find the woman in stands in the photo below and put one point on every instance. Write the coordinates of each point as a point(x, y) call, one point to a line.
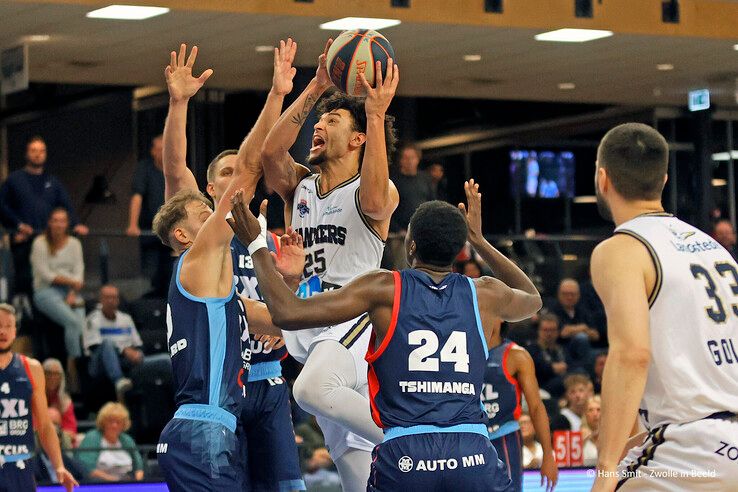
point(58, 398)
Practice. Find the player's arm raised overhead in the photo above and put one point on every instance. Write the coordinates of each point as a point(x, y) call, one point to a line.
point(512, 296)
point(377, 194)
point(288, 311)
point(622, 274)
point(182, 85)
point(281, 172)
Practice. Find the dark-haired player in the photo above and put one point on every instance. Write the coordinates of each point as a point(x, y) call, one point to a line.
point(23, 408)
point(671, 296)
point(427, 355)
point(343, 214)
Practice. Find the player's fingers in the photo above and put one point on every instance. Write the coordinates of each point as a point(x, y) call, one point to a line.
point(263, 207)
point(276, 57)
point(364, 82)
point(378, 74)
point(327, 46)
point(395, 77)
point(173, 59)
point(193, 56)
point(274, 256)
point(293, 51)
point(182, 53)
point(462, 207)
point(205, 75)
point(390, 70)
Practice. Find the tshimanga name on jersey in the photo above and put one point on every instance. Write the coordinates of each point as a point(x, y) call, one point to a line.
point(437, 387)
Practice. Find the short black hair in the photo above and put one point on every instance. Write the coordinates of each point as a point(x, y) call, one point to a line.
point(355, 106)
point(439, 230)
point(636, 158)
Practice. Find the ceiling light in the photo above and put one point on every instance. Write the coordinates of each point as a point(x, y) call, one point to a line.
point(567, 86)
point(719, 182)
point(348, 23)
point(724, 156)
point(36, 38)
point(735, 47)
point(572, 35)
point(126, 12)
point(665, 67)
point(264, 48)
point(472, 58)
point(585, 199)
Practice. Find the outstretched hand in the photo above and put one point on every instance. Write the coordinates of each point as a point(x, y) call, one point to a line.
point(379, 98)
point(290, 261)
point(284, 72)
point(246, 227)
point(181, 83)
point(472, 211)
point(321, 74)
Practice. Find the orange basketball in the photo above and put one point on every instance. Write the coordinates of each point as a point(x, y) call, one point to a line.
point(355, 52)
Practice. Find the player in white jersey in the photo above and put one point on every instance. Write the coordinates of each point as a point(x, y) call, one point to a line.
point(343, 214)
point(671, 297)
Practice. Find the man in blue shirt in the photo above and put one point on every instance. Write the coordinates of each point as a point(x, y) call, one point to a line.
point(26, 199)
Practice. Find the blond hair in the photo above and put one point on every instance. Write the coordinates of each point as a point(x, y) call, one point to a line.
point(172, 213)
point(7, 308)
point(113, 410)
point(55, 365)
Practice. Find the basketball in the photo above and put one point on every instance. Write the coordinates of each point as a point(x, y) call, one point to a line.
point(355, 52)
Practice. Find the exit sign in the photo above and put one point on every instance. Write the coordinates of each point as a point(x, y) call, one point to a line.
point(699, 100)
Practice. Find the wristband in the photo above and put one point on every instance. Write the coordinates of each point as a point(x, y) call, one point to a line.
point(260, 241)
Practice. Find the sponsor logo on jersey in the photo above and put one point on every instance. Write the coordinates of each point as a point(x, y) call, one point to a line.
point(13, 408)
point(162, 447)
point(681, 244)
point(405, 464)
point(302, 208)
point(12, 450)
point(332, 209)
point(324, 233)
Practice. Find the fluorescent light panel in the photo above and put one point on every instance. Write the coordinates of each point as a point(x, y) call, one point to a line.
point(37, 38)
point(719, 182)
point(472, 58)
point(724, 156)
point(348, 23)
point(264, 48)
point(127, 12)
point(567, 86)
point(665, 67)
point(573, 35)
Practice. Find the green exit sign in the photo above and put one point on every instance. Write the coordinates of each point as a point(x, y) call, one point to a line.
point(699, 100)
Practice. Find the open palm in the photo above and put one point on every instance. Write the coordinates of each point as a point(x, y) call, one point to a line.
point(284, 72)
point(180, 81)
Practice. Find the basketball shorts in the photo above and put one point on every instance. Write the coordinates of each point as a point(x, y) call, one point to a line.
point(199, 456)
point(510, 452)
point(700, 455)
point(437, 462)
point(268, 450)
point(17, 476)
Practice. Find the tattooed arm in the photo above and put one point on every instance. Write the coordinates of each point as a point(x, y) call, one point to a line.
point(281, 172)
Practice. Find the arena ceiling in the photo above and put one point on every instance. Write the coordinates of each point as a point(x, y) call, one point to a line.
point(430, 44)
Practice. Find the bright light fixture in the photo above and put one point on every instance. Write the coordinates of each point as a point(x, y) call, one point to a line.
point(472, 58)
point(735, 47)
point(585, 199)
point(664, 67)
point(36, 38)
point(127, 12)
point(724, 156)
point(719, 182)
point(572, 35)
point(348, 23)
point(567, 86)
point(264, 48)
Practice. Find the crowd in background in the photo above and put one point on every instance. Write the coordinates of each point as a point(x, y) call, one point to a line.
point(567, 339)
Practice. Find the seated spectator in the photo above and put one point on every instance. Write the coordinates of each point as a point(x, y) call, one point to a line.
point(591, 430)
point(58, 399)
point(599, 369)
point(724, 234)
point(578, 392)
point(471, 268)
point(576, 335)
point(43, 469)
point(112, 341)
point(440, 184)
point(532, 449)
point(112, 455)
point(58, 275)
point(548, 356)
point(591, 303)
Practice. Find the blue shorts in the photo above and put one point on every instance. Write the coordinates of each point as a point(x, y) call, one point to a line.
point(510, 451)
point(17, 476)
point(437, 462)
point(199, 456)
point(268, 450)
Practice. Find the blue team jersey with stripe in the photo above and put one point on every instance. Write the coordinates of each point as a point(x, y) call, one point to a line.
point(501, 393)
point(429, 368)
point(16, 418)
point(207, 339)
point(246, 284)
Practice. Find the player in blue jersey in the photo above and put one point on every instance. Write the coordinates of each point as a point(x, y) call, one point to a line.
point(428, 351)
point(510, 372)
point(270, 461)
point(23, 408)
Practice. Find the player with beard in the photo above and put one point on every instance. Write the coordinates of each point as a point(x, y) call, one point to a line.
point(343, 214)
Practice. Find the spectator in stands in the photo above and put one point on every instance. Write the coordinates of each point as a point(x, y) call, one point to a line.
point(577, 334)
point(414, 187)
point(147, 195)
point(27, 199)
point(578, 392)
point(112, 341)
point(591, 430)
point(591, 304)
point(471, 268)
point(112, 455)
point(440, 184)
point(599, 369)
point(58, 398)
point(58, 277)
point(724, 234)
point(532, 449)
point(548, 356)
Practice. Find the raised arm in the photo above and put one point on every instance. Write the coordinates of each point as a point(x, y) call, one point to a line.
point(515, 294)
point(281, 172)
point(377, 195)
point(182, 85)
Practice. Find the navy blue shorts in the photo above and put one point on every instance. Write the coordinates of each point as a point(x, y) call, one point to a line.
point(510, 451)
point(17, 477)
point(437, 462)
point(268, 450)
point(199, 456)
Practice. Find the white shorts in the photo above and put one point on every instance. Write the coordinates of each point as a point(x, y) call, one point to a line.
point(696, 456)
